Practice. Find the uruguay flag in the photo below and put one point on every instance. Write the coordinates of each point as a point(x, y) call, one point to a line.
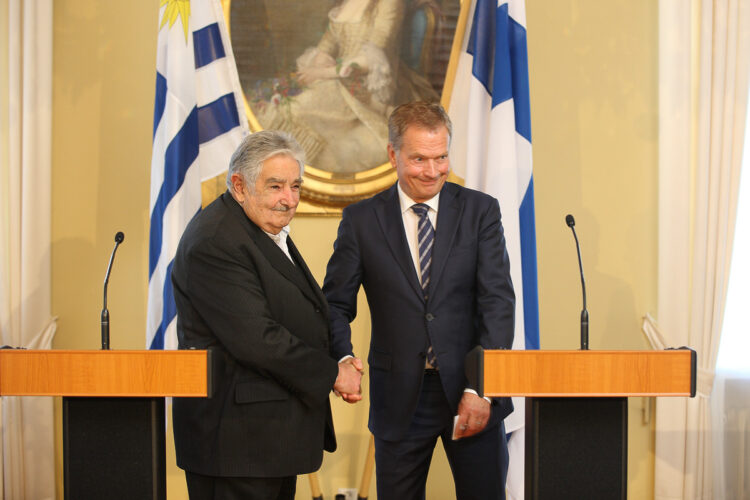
point(197, 127)
point(491, 151)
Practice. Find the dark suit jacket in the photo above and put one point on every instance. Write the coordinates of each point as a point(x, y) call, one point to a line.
point(470, 298)
point(267, 322)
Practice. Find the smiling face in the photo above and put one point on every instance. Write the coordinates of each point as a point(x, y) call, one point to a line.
point(272, 201)
point(422, 161)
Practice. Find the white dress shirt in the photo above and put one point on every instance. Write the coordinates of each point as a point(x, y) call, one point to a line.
point(280, 240)
point(411, 223)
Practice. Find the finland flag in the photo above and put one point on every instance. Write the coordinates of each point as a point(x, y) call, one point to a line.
point(491, 151)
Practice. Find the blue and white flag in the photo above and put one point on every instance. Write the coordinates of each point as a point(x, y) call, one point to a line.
point(491, 151)
point(197, 126)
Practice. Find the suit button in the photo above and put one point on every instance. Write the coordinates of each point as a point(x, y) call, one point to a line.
point(317, 309)
point(429, 316)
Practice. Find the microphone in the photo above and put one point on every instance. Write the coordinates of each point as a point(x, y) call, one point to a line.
point(571, 222)
point(105, 313)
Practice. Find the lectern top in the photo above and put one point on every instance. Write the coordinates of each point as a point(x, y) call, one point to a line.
point(589, 373)
point(105, 373)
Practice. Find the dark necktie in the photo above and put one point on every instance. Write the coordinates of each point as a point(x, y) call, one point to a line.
point(425, 239)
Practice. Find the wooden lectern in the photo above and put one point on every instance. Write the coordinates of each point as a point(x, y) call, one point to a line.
point(113, 411)
point(576, 410)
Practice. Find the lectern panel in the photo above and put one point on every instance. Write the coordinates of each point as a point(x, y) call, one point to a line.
point(576, 448)
point(114, 448)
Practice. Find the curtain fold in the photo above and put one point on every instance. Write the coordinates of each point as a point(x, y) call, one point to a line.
point(25, 309)
point(704, 54)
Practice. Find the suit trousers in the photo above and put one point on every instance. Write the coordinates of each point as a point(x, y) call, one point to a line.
point(202, 487)
point(479, 463)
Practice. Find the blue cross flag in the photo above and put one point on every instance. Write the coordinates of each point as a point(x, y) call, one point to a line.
point(491, 151)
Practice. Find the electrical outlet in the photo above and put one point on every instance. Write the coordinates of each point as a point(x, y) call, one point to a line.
point(349, 493)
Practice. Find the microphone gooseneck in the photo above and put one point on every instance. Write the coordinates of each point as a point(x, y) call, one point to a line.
point(119, 237)
point(571, 222)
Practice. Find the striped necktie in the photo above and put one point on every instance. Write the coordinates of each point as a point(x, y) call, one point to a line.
point(425, 239)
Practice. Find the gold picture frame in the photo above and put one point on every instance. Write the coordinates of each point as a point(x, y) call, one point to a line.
point(267, 37)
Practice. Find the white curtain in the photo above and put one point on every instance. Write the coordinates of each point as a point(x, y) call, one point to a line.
point(704, 56)
point(730, 399)
point(25, 312)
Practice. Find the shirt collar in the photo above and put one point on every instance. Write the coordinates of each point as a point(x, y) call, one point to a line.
point(281, 237)
point(406, 202)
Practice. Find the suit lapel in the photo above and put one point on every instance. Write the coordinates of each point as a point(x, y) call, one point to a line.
point(391, 222)
point(312, 291)
point(449, 214)
point(281, 263)
point(276, 257)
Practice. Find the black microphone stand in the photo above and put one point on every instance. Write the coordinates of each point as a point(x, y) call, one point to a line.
point(570, 221)
point(105, 313)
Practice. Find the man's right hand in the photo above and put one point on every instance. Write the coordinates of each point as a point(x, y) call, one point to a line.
point(348, 382)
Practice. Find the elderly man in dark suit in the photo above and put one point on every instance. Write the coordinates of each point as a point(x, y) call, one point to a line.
point(432, 259)
point(242, 288)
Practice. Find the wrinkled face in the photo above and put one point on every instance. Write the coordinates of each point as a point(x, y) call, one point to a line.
point(422, 162)
point(272, 201)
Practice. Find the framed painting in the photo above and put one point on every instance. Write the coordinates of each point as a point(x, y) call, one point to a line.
point(330, 72)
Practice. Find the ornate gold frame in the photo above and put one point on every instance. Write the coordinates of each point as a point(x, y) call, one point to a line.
point(325, 193)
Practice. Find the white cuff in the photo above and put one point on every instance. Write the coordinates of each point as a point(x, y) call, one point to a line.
point(476, 394)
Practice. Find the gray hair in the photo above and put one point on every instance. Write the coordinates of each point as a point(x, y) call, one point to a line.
point(256, 148)
point(421, 114)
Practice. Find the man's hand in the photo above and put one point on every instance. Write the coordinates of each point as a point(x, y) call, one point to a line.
point(348, 382)
point(473, 415)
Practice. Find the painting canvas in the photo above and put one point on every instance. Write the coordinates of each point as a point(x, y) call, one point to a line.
point(330, 73)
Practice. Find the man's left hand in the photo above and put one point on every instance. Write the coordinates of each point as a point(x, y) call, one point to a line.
point(473, 415)
point(347, 385)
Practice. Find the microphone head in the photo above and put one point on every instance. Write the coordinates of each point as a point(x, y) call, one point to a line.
point(119, 236)
point(570, 221)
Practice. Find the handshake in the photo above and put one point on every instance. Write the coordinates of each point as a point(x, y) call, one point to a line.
point(348, 382)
